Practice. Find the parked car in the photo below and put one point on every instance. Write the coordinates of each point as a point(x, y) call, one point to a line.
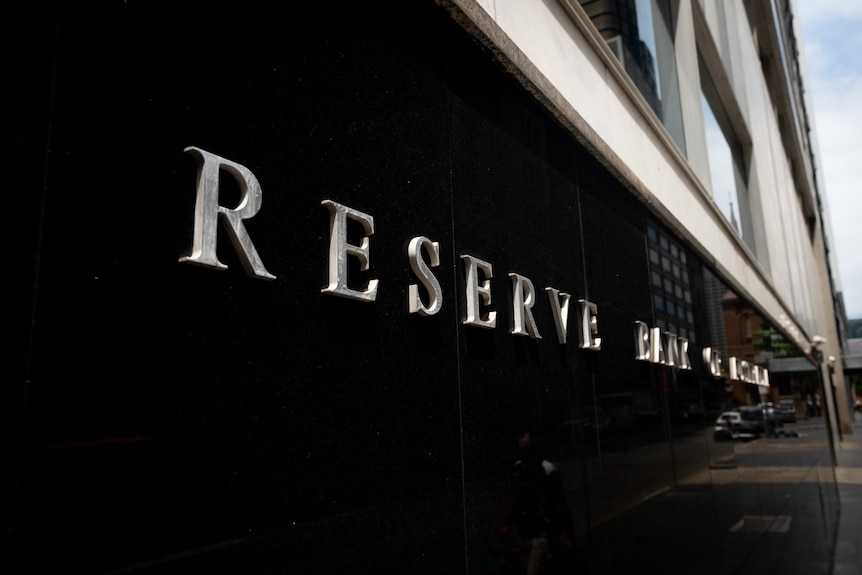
point(629, 410)
point(731, 425)
point(786, 411)
point(593, 421)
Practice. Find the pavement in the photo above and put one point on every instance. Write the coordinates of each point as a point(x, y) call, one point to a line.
point(847, 551)
point(824, 525)
point(778, 506)
point(826, 535)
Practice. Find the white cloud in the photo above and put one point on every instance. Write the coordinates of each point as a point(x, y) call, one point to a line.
point(814, 12)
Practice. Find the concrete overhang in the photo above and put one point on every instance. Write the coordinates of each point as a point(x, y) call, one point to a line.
point(853, 362)
point(790, 365)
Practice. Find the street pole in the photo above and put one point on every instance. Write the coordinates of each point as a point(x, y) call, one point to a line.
point(817, 356)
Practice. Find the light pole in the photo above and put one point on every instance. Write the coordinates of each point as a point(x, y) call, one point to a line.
point(831, 367)
point(817, 355)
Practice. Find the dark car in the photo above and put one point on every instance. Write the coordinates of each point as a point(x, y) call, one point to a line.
point(786, 410)
point(754, 417)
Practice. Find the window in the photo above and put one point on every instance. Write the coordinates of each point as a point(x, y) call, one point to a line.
point(727, 138)
point(640, 34)
point(722, 169)
point(670, 283)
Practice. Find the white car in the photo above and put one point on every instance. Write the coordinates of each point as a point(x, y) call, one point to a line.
point(731, 425)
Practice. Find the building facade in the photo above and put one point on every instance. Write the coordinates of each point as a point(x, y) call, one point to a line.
point(300, 284)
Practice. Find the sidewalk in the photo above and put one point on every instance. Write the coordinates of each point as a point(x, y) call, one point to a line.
point(847, 558)
point(802, 516)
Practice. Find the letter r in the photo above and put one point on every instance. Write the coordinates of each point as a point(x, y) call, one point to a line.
point(208, 212)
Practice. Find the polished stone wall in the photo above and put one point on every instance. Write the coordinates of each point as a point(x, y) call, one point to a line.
point(175, 417)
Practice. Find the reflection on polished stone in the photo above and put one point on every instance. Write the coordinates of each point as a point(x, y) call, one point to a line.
point(763, 523)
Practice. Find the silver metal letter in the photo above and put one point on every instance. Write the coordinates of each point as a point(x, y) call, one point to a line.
point(745, 371)
point(420, 268)
point(712, 359)
point(589, 326)
point(560, 307)
point(656, 349)
point(682, 354)
point(641, 341)
point(734, 369)
point(671, 350)
point(523, 298)
point(208, 211)
point(339, 249)
point(475, 291)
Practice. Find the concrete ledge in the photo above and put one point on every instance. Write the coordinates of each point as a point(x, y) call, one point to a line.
point(790, 365)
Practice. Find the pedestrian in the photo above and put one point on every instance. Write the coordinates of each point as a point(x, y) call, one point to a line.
point(538, 512)
point(769, 412)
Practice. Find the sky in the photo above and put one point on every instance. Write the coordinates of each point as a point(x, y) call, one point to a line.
point(832, 45)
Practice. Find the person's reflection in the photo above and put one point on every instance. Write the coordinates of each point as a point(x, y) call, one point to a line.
point(538, 517)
